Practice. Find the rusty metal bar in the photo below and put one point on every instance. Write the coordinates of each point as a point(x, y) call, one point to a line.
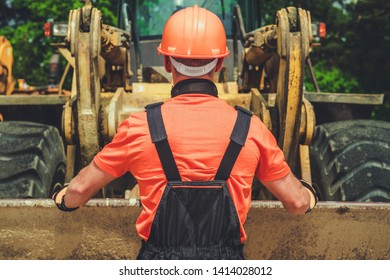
point(256, 204)
point(34, 99)
point(347, 98)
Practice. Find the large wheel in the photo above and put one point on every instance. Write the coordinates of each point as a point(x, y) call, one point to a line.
point(351, 160)
point(32, 160)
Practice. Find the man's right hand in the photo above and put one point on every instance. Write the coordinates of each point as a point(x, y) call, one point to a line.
point(59, 198)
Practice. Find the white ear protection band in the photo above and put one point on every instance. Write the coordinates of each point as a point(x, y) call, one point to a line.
point(193, 71)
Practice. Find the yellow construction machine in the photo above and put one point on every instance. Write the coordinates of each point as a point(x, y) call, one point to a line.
point(6, 62)
point(32, 158)
point(346, 160)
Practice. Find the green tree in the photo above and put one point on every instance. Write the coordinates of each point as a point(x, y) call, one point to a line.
point(368, 45)
point(22, 23)
point(331, 79)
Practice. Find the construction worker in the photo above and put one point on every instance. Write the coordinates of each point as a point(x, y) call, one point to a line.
point(194, 157)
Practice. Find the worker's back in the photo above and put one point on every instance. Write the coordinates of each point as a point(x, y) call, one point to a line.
point(198, 129)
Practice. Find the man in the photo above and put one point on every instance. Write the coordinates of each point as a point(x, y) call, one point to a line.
point(194, 157)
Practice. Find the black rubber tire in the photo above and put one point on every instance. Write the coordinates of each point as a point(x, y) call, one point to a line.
point(32, 160)
point(351, 160)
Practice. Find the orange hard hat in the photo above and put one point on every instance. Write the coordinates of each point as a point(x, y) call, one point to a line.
point(195, 33)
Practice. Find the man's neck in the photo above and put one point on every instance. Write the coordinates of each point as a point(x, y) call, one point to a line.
point(202, 86)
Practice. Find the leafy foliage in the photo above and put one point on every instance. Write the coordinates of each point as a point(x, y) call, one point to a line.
point(368, 44)
point(332, 79)
point(22, 23)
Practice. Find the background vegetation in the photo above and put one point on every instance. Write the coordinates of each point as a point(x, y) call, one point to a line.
point(22, 21)
point(354, 57)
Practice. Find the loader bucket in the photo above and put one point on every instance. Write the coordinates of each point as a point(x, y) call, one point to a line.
point(104, 229)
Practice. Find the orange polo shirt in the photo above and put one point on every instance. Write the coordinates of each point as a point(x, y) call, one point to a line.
point(198, 128)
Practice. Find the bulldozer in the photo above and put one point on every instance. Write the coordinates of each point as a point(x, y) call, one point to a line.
point(48, 138)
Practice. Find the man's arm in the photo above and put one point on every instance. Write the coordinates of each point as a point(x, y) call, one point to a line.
point(296, 198)
point(84, 186)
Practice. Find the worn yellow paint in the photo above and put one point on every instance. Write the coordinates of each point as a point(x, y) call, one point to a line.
point(294, 97)
point(304, 157)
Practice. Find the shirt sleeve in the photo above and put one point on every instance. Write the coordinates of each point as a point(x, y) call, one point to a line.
point(113, 158)
point(272, 164)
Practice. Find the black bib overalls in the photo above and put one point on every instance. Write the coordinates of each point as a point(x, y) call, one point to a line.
point(196, 219)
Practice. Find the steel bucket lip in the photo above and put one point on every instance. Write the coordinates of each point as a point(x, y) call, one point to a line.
point(264, 204)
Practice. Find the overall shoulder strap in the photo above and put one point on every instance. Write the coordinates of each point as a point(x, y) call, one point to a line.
point(237, 141)
point(159, 138)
